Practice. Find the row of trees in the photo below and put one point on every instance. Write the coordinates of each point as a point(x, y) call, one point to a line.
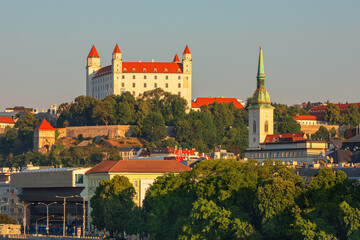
point(225, 199)
point(351, 117)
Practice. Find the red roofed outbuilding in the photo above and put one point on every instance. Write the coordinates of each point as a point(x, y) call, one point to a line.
point(204, 101)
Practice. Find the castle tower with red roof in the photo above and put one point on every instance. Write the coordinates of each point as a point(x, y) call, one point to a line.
point(44, 136)
point(93, 65)
point(261, 120)
point(137, 77)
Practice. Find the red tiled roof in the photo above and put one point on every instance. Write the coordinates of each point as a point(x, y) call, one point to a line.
point(44, 126)
point(194, 105)
point(176, 59)
point(187, 50)
point(144, 67)
point(342, 106)
point(93, 53)
point(8, 120)
point(117, 49)
point(305, 117)
point(201, 101)
point(286, 137)
point(103, 71)
point(139, 166)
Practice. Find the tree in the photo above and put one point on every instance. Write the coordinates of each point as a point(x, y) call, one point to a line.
point(332, 113)
point(154, 128)
point(321, 134)
point(113, 206)
point(353, 114)
point(350, 220)
point(6, 219)
point(287, 124)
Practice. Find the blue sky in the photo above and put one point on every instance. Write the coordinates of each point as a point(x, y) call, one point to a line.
point(311, 48)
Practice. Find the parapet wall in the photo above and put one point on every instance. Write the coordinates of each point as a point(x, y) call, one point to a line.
point(111, 131)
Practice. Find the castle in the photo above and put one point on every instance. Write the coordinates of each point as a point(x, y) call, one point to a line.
point(138, 77)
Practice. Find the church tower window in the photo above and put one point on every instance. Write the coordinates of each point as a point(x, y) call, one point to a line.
point(266, 127)
point(254, 127)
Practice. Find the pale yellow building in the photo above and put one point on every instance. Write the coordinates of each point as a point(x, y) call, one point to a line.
point(138, 77)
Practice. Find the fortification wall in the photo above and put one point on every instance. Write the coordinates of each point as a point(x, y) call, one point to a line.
point(311, 129)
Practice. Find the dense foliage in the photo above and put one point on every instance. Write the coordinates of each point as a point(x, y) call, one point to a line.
point(113, 207)
point(351, 117)
point(6, 219)
point(225, 199)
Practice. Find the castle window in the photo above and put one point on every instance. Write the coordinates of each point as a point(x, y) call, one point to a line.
point(178, 70)
point(179, 85)
point(165, 70)
point(254, 127)
point(266, 126)
point(124, 69)
point(179, 93)
point(155, 85)
point(155, 77)
point(166, 85)
point(133, 84)
point(123, 76)
point(144, 76)
point(122, 84)
point(144, 85)
point(133, 93)
point(133, 69)
point(179, 77)
point(166, 77)
point(133, 76)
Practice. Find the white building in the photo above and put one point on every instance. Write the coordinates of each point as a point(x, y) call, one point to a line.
point(137, 77)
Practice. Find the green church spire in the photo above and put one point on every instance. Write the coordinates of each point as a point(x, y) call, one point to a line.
point(260, 97)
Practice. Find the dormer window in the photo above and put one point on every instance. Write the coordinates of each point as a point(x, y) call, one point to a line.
point(165, 70)
point(144, 69)
point(133, 69)
point(155, 70)
point(178, 70)
point(124, 69)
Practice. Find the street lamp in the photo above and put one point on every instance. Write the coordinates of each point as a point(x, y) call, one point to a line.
point(24, 220)
point(64, 211)
point(47, 214)
point(36, 223)
point(84, 211)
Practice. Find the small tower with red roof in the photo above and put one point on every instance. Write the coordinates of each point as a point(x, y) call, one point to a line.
point(117, 60)
point(187, 60)
point(44, 136)
point(93, 65)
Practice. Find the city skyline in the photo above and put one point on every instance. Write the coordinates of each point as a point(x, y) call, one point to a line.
point(310, 48)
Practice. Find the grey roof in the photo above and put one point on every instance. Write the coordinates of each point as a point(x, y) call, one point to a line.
point(355, 139)
point(341, 156)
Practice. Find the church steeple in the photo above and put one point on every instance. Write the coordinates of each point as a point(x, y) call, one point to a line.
point(260, 97)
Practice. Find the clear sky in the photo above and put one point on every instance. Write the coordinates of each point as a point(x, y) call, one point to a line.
point(311, 48)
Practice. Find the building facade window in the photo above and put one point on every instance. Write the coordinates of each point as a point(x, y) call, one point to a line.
point(122, 84)
point(179, 93)
point(266, 127)
point(144, 85)
point(179, 85)
point(123, 76)
point(179, 77)
point(79, 178)
point(166, 77)
point(166, 85)
point(155, 85)
point(133, 84)
point(155, 77)
point(144, 76)
point(133, 76)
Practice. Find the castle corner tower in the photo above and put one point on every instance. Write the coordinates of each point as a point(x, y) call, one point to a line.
point(261, 113)
point(93, 64)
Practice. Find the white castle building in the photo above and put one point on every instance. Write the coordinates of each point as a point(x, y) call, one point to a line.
point(138, 77)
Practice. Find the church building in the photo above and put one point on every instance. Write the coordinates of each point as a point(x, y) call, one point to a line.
point(263, 143)
point(138, 77)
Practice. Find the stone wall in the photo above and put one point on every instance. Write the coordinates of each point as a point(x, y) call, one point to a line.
point(311, 129)
point(111, 131)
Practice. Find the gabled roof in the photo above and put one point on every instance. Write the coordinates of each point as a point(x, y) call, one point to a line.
point(117, 49)
point(286, 137)
point(93, 53)
point(201, 101)
point(139, 166)
point(186, 50)
point(305, 117)
point(44, 126)
point(176, 59)
point(7, 120)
